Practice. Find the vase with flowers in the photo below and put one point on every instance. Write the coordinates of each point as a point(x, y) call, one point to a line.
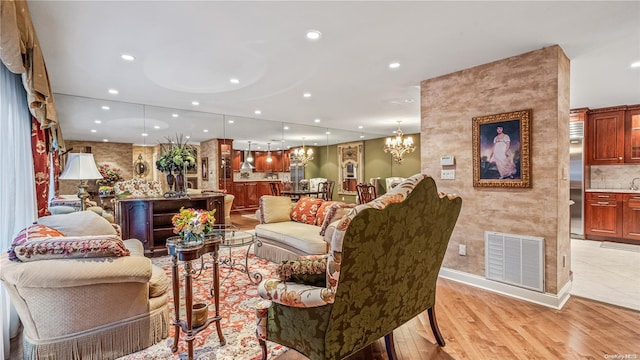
point(110, 176)
point(176, 157)
point(192, 225)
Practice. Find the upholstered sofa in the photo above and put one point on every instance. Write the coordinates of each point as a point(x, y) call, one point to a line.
point(380, 272)
point(138, 188)
point(288, 229)
point(84, 307)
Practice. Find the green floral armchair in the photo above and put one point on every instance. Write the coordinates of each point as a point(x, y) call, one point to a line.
point(381, 271)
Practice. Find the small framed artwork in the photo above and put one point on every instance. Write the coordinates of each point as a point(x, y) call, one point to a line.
point(205, 168)
point(501, 150)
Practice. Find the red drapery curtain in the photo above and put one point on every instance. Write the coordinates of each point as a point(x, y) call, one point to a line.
point(41, 166)
point(56, 171)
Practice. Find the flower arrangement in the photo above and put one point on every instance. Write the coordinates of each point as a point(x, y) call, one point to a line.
point(110, 175)
point(176, 156)
point(193, 224)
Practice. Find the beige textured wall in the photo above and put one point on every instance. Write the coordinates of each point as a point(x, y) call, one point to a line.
point(117, 155)
point(538, 80)
point(209, 149)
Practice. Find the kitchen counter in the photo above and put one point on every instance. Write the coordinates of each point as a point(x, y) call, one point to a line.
point(622, 191)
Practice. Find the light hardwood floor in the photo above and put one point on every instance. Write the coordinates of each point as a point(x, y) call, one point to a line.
point(478, 324)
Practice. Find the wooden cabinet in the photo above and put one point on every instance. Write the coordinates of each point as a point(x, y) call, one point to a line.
point(613, 135)
point(603, 214)
point(247, 194)
point(632, 136)
point(631, 216)
point(605, 137)
point(225, 172)
point(149, 219)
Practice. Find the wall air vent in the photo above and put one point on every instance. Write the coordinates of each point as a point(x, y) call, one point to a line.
point(515, 259)
point(576, 130)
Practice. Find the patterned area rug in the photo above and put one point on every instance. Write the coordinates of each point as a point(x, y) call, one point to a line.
point(237, 298)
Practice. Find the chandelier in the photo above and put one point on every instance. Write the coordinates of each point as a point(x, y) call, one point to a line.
point(302, 155)
point(398, 146)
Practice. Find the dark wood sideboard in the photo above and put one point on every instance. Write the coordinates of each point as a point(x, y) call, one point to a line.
point(149, 219)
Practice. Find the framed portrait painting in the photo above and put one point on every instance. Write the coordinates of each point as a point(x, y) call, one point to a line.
point(501, 150)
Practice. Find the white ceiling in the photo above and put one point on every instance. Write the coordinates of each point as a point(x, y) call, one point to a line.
point(188, 51)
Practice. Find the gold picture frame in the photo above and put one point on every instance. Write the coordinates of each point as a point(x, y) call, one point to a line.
point(205, 168)
point(502, 150)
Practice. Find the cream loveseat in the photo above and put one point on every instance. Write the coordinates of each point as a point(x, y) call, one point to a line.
point(288, 229)
point(86, 307)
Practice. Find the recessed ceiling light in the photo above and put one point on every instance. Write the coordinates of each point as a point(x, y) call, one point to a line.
point(231, 121)
point(195, 103)
point(205, 130)
point(328, 133)
point(361, 136)
point(234, 81)
point(313, 34)
point(286, 128)
point(409, 100)
point(257, 112)
point(127, 57)
point(145, 134)
point(174, 115)
point(360, 127)
point(97, 121)
point(316, 120)
point(113, 91)
point(307, 95)
point(156, 127)
point(636, 64)
point(105, 107)
point(105, 140)
point(394, 65)
point(93, 130)
point(188, 137)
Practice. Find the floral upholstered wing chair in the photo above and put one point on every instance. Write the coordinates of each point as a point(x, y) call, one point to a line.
point(381, 271)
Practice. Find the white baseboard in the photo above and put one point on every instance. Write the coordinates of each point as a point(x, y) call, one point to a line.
point(555, 301)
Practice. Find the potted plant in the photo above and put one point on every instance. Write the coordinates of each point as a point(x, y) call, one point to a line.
point(176, 156)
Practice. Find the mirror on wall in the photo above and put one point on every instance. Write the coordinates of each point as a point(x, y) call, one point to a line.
point(350, 167)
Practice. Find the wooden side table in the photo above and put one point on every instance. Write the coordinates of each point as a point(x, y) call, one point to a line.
point(187, 255)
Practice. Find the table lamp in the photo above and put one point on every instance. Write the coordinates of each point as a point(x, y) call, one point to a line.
point(81, 166)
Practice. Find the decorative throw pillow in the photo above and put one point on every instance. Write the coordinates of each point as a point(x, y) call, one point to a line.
point(35, 231)
point(323, 210)
point(80, 223)
point(309, 271)
point(306, 210)
point(335, 212)
point(71, 247)
point(274, 209)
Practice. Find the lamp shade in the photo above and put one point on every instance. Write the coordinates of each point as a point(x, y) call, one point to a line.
point(80, 166)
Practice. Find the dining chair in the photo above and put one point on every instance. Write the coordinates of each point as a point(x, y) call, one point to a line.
point(366, 192)
point(276, 188)
point(325, 190)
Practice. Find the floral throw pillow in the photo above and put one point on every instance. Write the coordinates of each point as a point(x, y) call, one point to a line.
point(306, 210)
point(323, 211)
point(309, 271)
point(70, 247)
point(35, 231)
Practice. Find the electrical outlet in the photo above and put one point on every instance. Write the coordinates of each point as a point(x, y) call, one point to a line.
point(447, 174)
point(462, 250)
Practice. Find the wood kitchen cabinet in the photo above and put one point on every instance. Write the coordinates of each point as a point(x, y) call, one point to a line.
point(632, 136)
point(225, 173)
point(605, 137)
point(631, 216)
point(603, 214)
point(613, 135)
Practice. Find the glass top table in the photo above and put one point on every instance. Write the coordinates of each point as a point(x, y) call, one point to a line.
point(234, 238)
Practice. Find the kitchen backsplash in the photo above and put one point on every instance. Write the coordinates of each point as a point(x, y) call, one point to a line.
point(613, 176)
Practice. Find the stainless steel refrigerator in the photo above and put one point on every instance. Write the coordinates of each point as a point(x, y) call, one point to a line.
point(576, 178)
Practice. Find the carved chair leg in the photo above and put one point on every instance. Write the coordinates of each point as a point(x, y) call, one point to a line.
point(391, 348)
point(434, 326)
point(263, 346)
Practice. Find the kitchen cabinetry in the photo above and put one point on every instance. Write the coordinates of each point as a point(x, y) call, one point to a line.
point(613, 135)
point(603, 214)
point(247, 194)
point(632, 136)
point(631, 216)
point(149, 219)
point(225, 173)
